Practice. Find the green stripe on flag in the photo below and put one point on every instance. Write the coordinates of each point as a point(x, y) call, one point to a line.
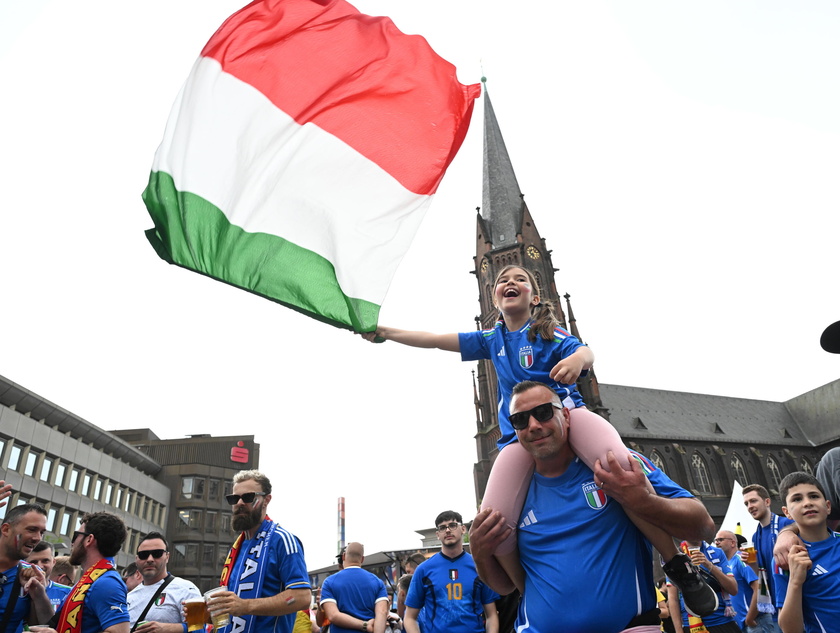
point(195, 234)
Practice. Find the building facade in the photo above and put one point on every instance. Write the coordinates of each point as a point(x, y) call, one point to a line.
point(71, 467)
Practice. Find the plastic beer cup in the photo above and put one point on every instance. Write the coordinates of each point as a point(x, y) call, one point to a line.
point(222, 619)
point(196, 614)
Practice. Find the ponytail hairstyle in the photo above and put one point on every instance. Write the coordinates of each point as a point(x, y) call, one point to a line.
point(543, 318)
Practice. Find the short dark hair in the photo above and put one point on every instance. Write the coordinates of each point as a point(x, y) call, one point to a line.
point(108, 529)
point(154, 535)
point(795, 479)
point(41, 546)
point(129, 570)
point(448, 515)
point(405, 581)
point(761, 490)
point(527, 385)
point(14, 515)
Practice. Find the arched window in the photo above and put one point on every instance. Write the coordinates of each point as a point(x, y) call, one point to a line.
point(701, 474)
point(738, 470)
point(656, 460)
point(775, 473)
point(805, 466)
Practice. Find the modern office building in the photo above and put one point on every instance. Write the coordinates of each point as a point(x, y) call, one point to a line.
point(72, 467)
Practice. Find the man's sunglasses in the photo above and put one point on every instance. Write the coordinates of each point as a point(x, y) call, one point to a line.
point(541, 413)
point(157, 553)
point(248, 497)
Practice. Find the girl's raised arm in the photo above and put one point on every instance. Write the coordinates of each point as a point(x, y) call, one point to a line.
point(447, 342)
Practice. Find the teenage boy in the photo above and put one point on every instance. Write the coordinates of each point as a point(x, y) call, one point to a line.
point(814, 584)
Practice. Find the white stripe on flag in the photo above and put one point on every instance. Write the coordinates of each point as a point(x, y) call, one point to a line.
point(268, 174)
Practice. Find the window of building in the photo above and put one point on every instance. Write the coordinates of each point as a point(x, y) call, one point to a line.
point(97, 489)
point(127, 500)
point(109, 493)
point(65, 522)
point(142, 506)
point(195, 519)
point(2, 448)
point(118, 502)
point(208, 555)
point(14, 457)
point(31, 460)
point(738, 470)
point(86, 485)
point(775, 473)
point(179, 553)
point(74, 479)
point(51, 514)
point(228, 488)
point(183, 520)
point(192, 487)
point(46, 468)
point(657, 460)
point(192, 554)
point(701, 474)
point(213, 487)
point(805, 466)
point(210, 521)
point(60, 470)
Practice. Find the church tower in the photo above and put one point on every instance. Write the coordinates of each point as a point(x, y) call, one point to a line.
point(506, 235)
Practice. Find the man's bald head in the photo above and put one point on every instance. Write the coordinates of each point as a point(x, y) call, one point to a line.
point(354, 554)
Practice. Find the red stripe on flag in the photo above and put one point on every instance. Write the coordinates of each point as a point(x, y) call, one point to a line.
point(386, 94)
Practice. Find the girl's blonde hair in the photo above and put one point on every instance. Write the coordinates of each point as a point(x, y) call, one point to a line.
point(543, 317)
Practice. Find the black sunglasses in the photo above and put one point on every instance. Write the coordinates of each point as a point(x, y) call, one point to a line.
point(157, 553)
point(248, 497)
point(541, 412)
point(76, 535)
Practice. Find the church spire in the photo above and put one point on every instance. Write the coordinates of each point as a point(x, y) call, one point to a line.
point(501, 200)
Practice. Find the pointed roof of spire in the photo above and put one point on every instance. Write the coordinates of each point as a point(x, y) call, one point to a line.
point(501, 201)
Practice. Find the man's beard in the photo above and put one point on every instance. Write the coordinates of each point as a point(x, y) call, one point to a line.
point(77, 555)
point(247, 520)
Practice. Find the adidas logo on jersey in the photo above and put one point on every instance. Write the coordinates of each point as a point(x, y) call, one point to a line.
point(501, 352)
point(529, 519)
point(819, 570)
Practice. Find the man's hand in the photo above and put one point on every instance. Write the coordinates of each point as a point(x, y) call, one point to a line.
point(487, 532)
point(698, 558)
point(5, 492)
point(628, 487)
point(227, 602)
point(785, 541)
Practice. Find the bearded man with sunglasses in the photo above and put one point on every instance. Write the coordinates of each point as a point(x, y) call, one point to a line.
point(576, 544)
point(265, 572)
point(160, 591)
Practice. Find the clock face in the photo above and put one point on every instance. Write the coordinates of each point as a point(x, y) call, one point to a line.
point(532, 252)
point(484, 265)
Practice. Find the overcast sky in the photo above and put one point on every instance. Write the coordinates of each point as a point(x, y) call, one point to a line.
point(680, 159)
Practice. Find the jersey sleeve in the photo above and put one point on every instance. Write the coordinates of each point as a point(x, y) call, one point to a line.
point(107, 599)
point(416, 596)
point(474, 345)
point(486, 594)
point(662, 484)
point(326, 591)
point(293, 567)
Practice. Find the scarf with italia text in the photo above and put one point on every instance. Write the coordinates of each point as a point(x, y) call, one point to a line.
point(70, 619)
point(244, 572)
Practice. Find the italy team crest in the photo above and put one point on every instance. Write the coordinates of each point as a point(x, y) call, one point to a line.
point(160, 600)
point(526, 356)
point(453, 574)
point(595, 497)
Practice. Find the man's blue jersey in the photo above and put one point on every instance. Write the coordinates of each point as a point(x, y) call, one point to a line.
point(449, 594)
point(764, 540)
point(355, 592)
point(745, 576)
point(821, 590)
point(515, 359)
point(575, 543)
point(8, 586)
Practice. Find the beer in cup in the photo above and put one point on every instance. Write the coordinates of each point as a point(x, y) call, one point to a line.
point(222, 619)
point(196, 614)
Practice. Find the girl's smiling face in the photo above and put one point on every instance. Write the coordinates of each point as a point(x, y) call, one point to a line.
point(514, 290)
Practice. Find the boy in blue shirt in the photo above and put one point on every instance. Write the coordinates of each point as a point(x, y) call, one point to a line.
point(814, 584)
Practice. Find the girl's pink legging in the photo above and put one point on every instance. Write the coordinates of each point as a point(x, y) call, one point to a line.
point(591, 437)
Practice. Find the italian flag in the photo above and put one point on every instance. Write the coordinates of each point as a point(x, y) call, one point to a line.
point(302, 153)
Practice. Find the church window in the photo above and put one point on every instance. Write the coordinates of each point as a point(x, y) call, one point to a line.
point(701, 474)
point(738, 470)
point(775, 473)
point(657, 461)
point(805, 466)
